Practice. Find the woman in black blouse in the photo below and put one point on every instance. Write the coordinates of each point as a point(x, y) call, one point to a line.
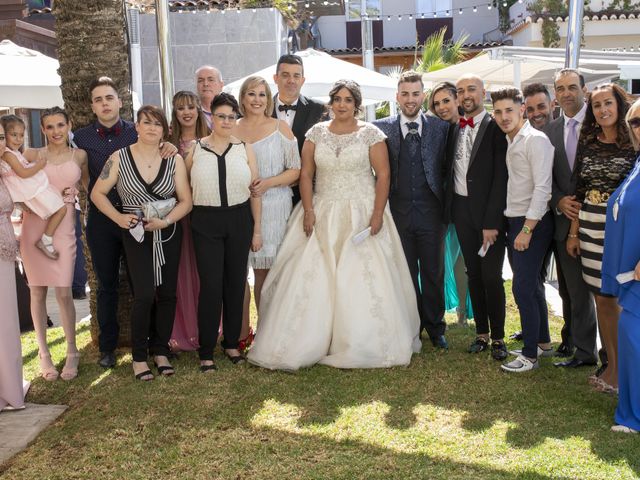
point(604, 158)
point(140, 175)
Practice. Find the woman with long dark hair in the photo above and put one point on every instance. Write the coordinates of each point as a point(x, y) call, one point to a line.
point(604, 158)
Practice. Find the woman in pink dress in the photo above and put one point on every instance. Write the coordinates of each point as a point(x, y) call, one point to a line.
point(29, 185)
point(188, 123)
point(65, 167)
point(11, 385)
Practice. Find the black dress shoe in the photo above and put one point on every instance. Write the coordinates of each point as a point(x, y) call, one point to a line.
point(79, 294)
point(564, 351)
point(440, 342)
point(574, 363)
point(107, 359)
point(516, 336)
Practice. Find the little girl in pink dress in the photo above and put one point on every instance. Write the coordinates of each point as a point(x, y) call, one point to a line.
point(29, 185)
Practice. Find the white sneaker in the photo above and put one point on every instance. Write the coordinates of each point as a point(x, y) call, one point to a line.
point(520, 364)
point(542, 353)
point(623, 429)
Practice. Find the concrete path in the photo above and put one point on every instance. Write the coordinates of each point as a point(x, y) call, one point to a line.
point(21, 427)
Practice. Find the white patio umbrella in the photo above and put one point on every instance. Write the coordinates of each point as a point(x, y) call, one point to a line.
point(28, 79)
point(321, 70)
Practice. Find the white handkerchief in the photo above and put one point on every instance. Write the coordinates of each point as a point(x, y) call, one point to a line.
point(360, 237)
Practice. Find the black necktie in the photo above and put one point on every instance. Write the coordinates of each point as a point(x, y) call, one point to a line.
point(412, 139)
point(286, 108)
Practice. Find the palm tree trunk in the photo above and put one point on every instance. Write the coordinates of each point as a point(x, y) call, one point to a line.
point(92, 42)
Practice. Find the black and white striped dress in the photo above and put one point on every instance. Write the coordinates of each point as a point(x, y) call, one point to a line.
point(602, 167)
point(134, 192)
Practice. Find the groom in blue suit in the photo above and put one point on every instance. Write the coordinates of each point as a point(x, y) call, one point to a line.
point(417, 146)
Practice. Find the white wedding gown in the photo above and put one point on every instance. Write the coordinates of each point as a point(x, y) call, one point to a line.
point(327, 300)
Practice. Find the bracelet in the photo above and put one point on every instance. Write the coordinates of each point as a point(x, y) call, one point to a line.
point(308, 211)
point(571, 235)
point(168, 220)
point(257, 234)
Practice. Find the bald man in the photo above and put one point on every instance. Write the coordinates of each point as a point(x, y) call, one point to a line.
point(476, 199)
point(208, 84)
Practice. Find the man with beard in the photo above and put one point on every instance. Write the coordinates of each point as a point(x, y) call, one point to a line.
point(417, 150)
point(476, 198)
point(208, 84)
point(537, 102)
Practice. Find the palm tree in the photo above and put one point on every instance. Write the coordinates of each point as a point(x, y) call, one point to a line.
point(92, 42)
point(438, 53)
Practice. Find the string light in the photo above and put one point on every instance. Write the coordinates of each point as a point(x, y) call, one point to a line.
point(364, 15)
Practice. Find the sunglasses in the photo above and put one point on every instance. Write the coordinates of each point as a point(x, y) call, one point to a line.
point(634, 122)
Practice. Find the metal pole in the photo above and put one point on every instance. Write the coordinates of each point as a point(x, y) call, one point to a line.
point(367, 50)
point(164, 49)
point(574, 32)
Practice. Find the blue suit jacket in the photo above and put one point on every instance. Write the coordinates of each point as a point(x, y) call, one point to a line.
point(433, 138)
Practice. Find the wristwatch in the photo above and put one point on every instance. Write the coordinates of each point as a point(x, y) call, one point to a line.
point(527, 230)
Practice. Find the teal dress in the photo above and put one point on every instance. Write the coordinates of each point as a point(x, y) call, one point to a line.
point(451, 254)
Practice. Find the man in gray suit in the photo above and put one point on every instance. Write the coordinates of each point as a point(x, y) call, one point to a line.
point(564, 132)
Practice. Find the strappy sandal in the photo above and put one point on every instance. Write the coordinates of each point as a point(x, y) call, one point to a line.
point(70, 369)
point(604, 387)
point(147, 373)
point(48, 249)
point(164, 370)
point(208, 368)
point(47, 371)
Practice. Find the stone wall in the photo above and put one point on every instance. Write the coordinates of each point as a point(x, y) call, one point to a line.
point(236, 43)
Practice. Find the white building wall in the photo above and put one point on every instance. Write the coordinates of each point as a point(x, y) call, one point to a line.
point(475, 24)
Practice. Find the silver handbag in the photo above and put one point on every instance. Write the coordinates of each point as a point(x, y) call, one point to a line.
point(158, 208)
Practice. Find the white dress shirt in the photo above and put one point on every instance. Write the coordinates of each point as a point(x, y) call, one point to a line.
point(530, 165)
point(403, 124)
point(289, 115)
point(463, 154)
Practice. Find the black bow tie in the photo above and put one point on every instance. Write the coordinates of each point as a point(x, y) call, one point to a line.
point(286, 108)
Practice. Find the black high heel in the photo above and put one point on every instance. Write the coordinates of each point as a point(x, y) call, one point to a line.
point(164, 370)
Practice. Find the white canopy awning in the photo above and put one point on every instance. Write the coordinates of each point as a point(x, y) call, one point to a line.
point(29, 79)
point(512, 66)
point(321, 70)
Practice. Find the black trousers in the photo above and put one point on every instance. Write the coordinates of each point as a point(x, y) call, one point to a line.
point(486, 286)
point(221, 238)
point(422, 238)
point(104, 239)
point(563, 291)
point(154, 308)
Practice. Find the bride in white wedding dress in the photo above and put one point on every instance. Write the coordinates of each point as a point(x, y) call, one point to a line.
point(327, 299)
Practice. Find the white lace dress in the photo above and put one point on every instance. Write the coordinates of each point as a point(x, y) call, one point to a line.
point(275, 153)
point(327, 300)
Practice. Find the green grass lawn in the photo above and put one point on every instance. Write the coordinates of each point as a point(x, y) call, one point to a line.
point(449, 415)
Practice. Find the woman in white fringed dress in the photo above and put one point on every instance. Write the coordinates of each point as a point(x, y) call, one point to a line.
point(327, 299)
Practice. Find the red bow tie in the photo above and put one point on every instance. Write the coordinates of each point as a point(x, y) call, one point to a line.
point(114, 131)
point(466, 121)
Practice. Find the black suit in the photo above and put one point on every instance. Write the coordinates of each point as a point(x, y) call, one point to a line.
point(308, 113)
point(482, 209)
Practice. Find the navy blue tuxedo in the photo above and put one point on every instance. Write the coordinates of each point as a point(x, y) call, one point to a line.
point(416, 199)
